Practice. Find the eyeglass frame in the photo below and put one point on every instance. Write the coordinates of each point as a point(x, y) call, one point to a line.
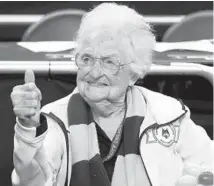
point(100, 59)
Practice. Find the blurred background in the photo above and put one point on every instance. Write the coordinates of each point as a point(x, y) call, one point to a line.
point(19, 22)
point(14, 31)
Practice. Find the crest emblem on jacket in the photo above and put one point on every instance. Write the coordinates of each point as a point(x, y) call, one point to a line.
point(165, 135)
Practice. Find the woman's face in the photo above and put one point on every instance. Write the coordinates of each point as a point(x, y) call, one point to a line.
point(95, 85)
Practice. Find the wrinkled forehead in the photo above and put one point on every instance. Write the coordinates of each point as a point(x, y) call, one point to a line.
point(102, 44)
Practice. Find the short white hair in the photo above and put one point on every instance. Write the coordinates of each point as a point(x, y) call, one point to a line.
point(127, 26)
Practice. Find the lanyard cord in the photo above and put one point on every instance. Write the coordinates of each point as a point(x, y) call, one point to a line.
point(117, 138)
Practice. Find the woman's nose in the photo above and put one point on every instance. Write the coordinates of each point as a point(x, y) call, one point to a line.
point(96, 70)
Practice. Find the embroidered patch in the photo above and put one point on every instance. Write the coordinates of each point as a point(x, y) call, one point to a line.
point(165, 135)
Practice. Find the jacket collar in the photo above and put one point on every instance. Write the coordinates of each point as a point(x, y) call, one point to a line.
point(162, 109)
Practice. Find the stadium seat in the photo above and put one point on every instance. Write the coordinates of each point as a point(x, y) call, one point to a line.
point(59, 25)
point(194, 26)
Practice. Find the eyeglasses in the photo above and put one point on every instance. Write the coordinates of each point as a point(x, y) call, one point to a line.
point(109, 65)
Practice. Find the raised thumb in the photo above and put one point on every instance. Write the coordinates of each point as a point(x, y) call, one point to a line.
point(29, 76)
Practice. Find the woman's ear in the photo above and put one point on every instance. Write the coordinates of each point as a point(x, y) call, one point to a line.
point(133, 78)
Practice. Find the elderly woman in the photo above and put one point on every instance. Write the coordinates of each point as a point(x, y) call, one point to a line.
point(107, 131)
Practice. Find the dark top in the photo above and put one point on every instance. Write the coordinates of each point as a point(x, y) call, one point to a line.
point(104, 145)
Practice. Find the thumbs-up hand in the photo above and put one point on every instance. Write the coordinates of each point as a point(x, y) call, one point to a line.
point(26, 100)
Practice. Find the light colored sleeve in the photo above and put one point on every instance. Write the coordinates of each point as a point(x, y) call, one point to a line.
point(194, 145)
point(36, 159)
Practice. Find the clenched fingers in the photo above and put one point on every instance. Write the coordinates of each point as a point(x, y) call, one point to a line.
point(192, 169)
point(22, 103)
point(28, 87)
point(24, 112)
point(187, 180)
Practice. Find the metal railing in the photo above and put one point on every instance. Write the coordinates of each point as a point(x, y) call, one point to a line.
point(69, 67)
point(27, 19)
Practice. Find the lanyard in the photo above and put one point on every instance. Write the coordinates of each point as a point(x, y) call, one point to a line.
point(117, 138)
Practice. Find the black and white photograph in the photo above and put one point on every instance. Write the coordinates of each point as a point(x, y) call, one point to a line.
point(106, 93)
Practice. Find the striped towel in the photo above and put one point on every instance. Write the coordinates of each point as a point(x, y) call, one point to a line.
point(87, 164)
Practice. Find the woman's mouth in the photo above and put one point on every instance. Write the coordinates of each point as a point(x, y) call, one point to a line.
point(97, 84)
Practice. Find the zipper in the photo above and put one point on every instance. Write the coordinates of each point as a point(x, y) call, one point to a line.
point(153, 126)
point(141, 136)
point(157, 125)
point(65, 132)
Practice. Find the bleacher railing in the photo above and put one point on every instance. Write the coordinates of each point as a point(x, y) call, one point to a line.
point(27, 19)
point(69, 67)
